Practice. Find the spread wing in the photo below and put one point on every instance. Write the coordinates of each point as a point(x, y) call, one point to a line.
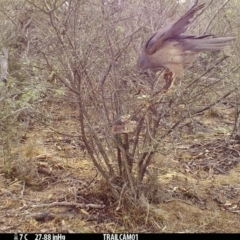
point(175, 29)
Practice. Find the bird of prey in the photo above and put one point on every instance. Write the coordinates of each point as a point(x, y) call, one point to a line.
point(174, 51)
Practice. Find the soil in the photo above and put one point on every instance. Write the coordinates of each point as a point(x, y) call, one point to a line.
point(51, 185)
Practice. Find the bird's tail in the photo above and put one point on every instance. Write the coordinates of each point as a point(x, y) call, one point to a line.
point(206, 44)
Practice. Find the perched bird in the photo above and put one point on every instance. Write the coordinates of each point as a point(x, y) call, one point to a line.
point(174, 51)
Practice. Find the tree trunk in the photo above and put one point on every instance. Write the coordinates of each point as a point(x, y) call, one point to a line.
point(4, 64)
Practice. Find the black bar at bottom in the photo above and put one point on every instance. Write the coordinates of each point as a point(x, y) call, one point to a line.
point(104, 236)
point(62, 236)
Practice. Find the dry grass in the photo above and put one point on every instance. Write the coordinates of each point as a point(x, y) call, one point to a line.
point(48, 168)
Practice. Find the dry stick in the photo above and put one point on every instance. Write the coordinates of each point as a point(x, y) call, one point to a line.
point(23, 189)
point(117, 55)
point(99, 109)
point(140, 124)
point(140, 161)
point(99, 145)
point(148, 158)
point(112, 66)
point(202, 92)
point(236, 122)
point(198, 15)
point(208, 70)
point(214, 16)
point(120, 197)
point(102, 83)
point(55, 28)
point(119, 160)
point(118, 140)
point(61, 133)
point(155, 124)
point(210, 3)
point(103, 153)
point(12, 113)
point(150, 154)
point(89, 184)
point(126, 147)
point(68, 204)
point(85, 140)
point(217, 101)
point(105, 109)
point(58, 76)
point(130, 179)
point(144, 157)
point(139, 128)
point(174, 126)
point(36, 6)
point(185, 116)
point(113, 63)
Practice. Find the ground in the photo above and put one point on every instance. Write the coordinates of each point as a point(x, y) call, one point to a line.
point(51, 185)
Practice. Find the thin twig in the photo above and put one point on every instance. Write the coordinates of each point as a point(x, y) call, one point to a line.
point(214, 16)
point(68, 204)
point(214, 103)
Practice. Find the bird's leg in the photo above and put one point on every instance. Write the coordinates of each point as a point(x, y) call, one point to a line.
point(169, 78)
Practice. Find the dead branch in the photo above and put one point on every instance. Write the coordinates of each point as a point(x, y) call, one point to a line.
point(214, 16)
point(69, 204)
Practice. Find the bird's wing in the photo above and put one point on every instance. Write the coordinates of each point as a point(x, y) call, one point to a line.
point(175, 29)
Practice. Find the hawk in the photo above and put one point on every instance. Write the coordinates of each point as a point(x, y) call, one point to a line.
point(174, 51)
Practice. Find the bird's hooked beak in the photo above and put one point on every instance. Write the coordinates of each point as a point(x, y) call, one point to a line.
point(140, 64)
